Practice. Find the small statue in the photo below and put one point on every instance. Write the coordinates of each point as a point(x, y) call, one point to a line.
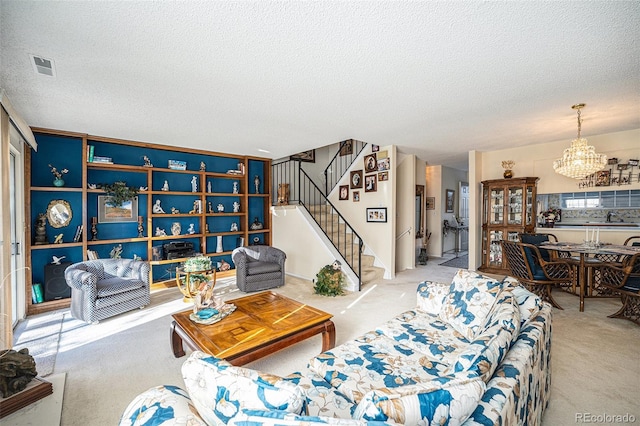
point(206, 228)
point(92, 186)
point(209, 207)
point(235, 187)
point(174, 210)
point(224, 265)
point(116, 252)
point(147, 162)
point(256, 225)
point(256, 182)
point(94, 229)
point(157, 208)
point(165, 187)
point(203, 167)
point(160, 232)
point(236, 207)
point(176, 228)
point(143, 188)
point(196, 208)
point(192, 229)
point(56, 260)
point(58, 239)
point(234, 227)
point(209, 187)
point(41, 229)
point(17, 369)
point(220, 208)
point(194, 184)
point(140, 227)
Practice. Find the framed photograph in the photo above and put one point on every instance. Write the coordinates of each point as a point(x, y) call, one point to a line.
point(449, 201)
point(107, 213)
point(356, 196)
point(383, 176)
point(375, 148)
point(344, 192)
point(384, 163)
point(431, 203)
point(370, 183)
point(308, 156)
point(346, 147)
point(624, 166)
point(356, 179)
point(603, 178)
point(370, 163)
point(633, 162)
point(376, 214)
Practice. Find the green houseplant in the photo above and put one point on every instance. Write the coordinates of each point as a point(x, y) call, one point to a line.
point(330, 280)
point(118, 193)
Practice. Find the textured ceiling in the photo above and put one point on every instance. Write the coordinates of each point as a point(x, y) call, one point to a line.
point(435, 78)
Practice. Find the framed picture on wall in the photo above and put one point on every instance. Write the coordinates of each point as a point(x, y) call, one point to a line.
point(356, 196)
point(344, 192)
point(376, 214)
point(370, 163)
point(370, 183)
point(431, 203)
point(449, 201)
point(308, 156)
point(356, 179)
point(127, 212)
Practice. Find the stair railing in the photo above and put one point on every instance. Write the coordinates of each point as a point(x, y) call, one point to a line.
point(347, 152)
point(323, 211)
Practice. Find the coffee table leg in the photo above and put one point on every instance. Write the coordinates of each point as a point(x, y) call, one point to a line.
point(176, 341)
point(328, 336)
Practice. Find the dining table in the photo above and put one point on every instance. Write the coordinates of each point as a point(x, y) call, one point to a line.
point(590, 256)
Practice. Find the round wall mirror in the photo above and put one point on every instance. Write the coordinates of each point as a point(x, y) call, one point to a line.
point(59, 213)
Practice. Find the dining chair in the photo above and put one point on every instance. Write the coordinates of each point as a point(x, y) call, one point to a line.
point(625, 280)
point(537, 239)
point(629, 241)
point(527, 265)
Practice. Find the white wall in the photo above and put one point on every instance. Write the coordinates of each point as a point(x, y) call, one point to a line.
point(405, 213)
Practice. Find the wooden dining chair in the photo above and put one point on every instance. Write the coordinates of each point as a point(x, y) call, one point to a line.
point(625, 280)
point(537, 239)
point(538, 275)
point(629, 241)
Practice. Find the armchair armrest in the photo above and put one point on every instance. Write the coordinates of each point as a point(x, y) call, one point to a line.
point(556, 269)
point(78, 278)
point(276, 256)
point(239, 258)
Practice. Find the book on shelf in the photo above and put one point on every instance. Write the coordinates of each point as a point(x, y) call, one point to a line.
point(102, 160)
point(92, 255)
point(36, 293)
point(90, 149)
point(78, 235)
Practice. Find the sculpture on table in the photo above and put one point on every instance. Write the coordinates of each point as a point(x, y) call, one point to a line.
point(192, 229)
point(147, 161)
point(256, 225)
point(236, 207)
point(256, 182)
point(234, 227)
point(209, 207)
point(220, 208)
point(56, 260)
point(203, 167)
point(41, 229)
point(176, 228)
point(157, 208)
point(209, 187)
point(160, 232)
point(235, 187)
point(194, 184)
point(17, 369)
point(165, 187)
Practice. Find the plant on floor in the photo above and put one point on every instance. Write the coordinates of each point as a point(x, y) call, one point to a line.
point(330, 280)
point(119, 193)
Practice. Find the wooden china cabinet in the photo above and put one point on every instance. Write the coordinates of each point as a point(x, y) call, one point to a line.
point(508, 208)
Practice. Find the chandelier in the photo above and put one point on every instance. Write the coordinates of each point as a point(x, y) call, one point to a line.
point(579, 160)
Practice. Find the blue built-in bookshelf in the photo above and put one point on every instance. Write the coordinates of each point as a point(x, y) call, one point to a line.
point(188, 184)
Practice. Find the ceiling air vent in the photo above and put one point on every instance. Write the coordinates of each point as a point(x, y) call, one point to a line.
point(43, 66)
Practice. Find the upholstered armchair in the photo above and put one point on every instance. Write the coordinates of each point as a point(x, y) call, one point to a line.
point(259, 267)
point(106, 287)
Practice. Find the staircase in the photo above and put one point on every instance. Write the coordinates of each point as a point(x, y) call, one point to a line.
point(345, 242)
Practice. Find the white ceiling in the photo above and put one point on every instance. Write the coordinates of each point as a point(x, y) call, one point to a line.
point(435, 78)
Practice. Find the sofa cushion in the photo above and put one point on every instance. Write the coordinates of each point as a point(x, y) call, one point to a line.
point(373, 361)
point(254, 268)
point(283, 418)
point(471, 297)
point(161, 406)
point(322, 399)
point(219, 390)
point(431, 295)
point(445, 400)
point(529, 304)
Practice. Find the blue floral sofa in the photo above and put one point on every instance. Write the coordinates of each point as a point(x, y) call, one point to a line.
point(474, 352)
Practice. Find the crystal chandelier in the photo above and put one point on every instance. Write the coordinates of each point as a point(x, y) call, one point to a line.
point(579, 160)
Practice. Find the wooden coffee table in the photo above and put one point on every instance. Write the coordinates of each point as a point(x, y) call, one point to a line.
point(261, 324)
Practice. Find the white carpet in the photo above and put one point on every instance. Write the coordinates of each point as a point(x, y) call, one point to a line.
point(44, 412)
point(40, 334)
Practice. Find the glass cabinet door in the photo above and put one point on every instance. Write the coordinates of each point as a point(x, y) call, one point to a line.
point(495, 249)
point(529, 206)
point(497, 206)
point(485, 203)
point(514, 209)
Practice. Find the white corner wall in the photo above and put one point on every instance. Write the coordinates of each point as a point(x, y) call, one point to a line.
point(405, 239)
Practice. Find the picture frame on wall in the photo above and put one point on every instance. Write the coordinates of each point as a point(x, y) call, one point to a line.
point(370, 163)
point(376, 214)
point(383, 176)
point(371, 183)
point(355, 180)
point(603, 178)
point(449, 201)
point(307, 156)
point(344, 192)
point(431, 203)
point(108, 213)
point(346, 147)
point(356, 196)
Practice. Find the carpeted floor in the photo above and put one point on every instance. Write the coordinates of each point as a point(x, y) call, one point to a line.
point(461, 261)
point(41, 334)
point(44, 412)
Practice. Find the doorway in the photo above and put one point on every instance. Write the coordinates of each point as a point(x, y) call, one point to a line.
point(463, 213)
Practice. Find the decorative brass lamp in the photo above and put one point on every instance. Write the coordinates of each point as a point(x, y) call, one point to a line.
point(579, 160)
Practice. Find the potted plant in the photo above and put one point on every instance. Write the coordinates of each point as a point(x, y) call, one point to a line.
point(551, 216)
point(119, 193)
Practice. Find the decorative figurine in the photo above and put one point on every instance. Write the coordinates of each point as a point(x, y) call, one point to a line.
point(256, 225)
point(157, 208)
point(56, 260)
point(196, 208)
point(176, 228)
point(256, 182)
point(160, 232)
point(143, 188)
point(92, 186)
point(209, 187)
point(58, 181)
point(234, 227)
point(136, 257)
point(174, 210)
point(165, 187)
point(236, 207)
point(220, 208)
point(256, 240)
point(147, 162)
point(235, 187)
point(203, 167)
point(224, 265)
point(209, 207)
point(206, 228)
point(194, 184)
point(219, 244)
point(18, 369)
point(41, 229)
point(94, 229)
point(58, 239)
point(116, 252)
point(140, 227)
point(192, 229)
